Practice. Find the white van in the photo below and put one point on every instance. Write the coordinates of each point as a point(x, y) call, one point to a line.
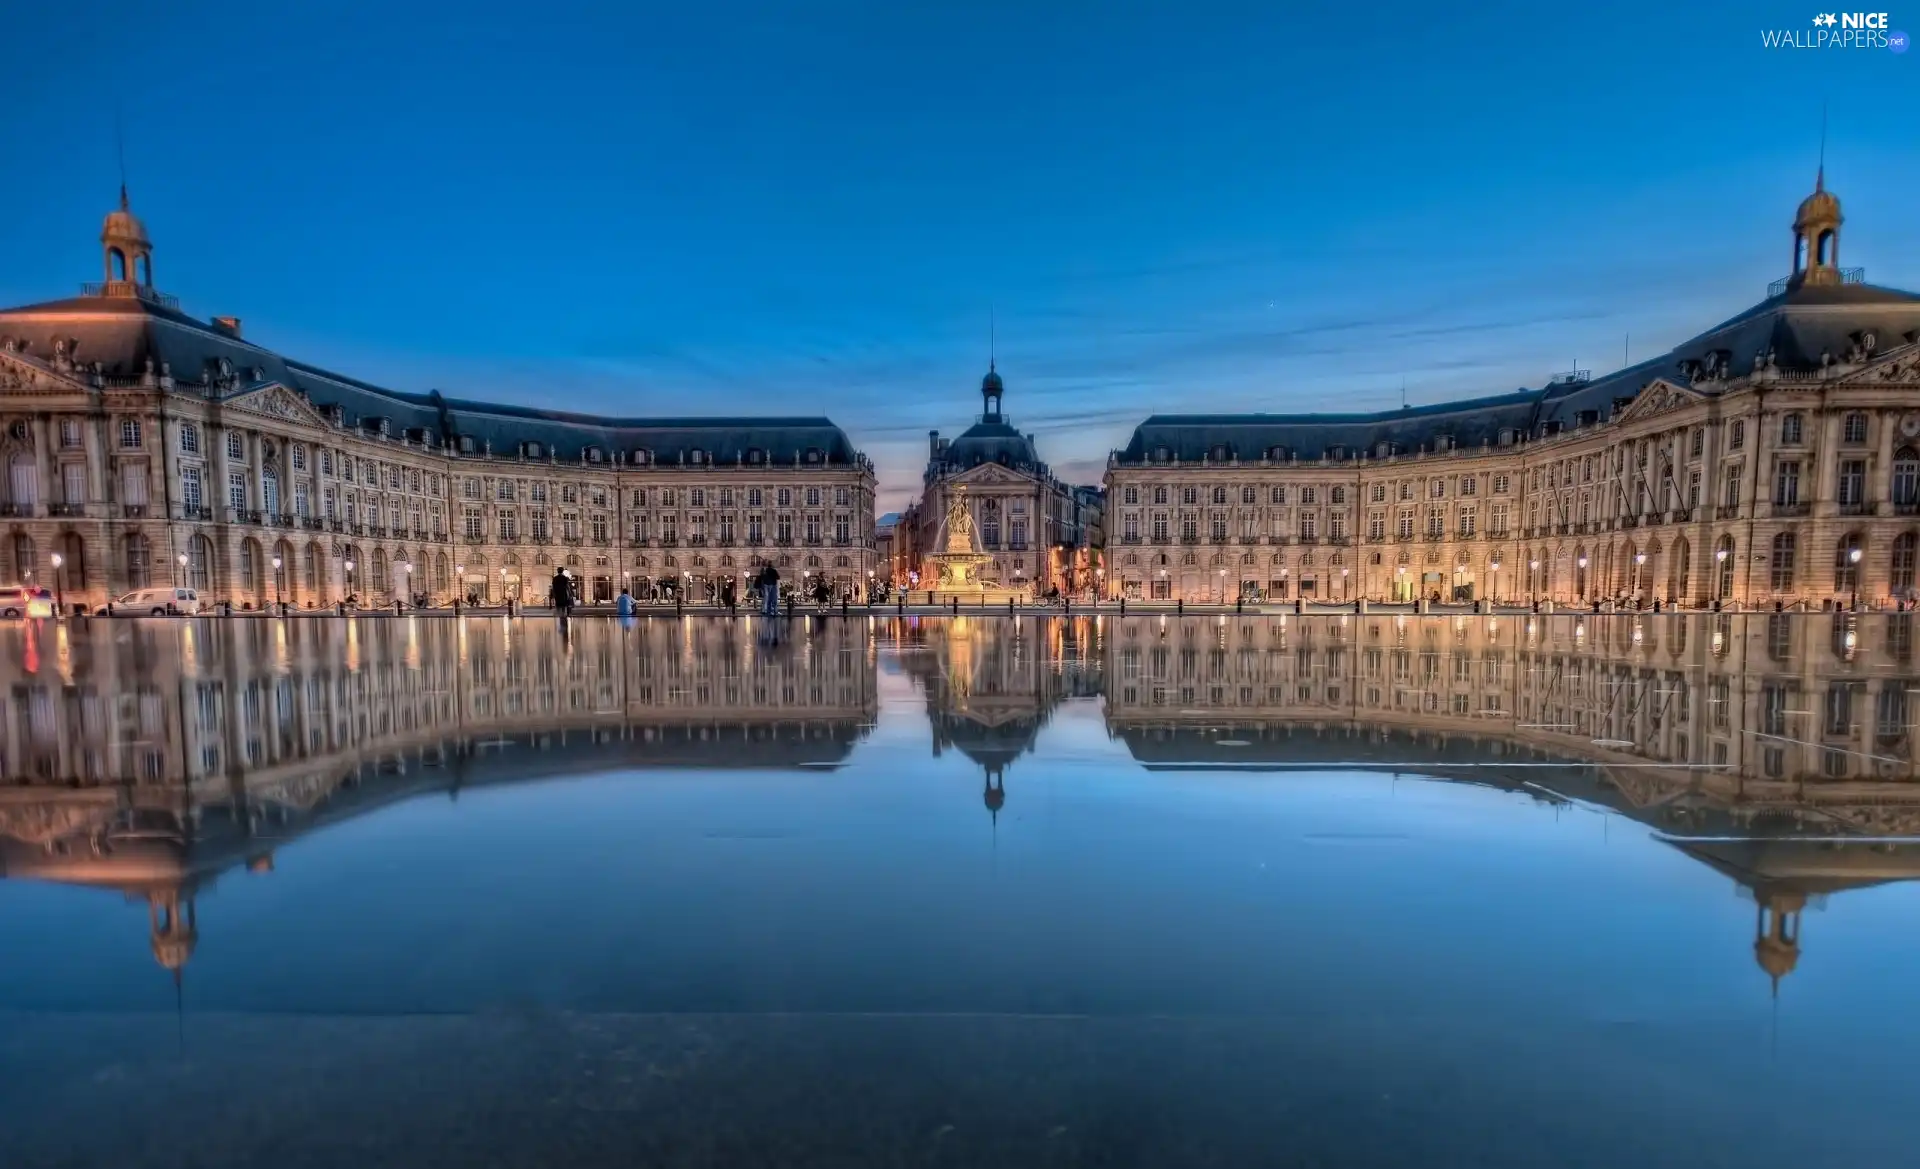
point(160, 602)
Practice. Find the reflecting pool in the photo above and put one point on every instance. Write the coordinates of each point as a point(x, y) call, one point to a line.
point(1580, 890)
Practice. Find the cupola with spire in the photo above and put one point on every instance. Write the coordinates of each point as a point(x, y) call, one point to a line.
point(1816, 237)
point(126, 252)
point(991, 389)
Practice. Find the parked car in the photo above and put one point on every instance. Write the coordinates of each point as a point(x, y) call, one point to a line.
point(160, 602)
point(16, 601)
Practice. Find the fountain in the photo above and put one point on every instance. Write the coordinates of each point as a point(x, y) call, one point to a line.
point(959, 561)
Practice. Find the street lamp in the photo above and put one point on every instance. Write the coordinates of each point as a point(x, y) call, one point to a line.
point(1223, 586)
point(1639, 562)
point(407, 567)
point(180, 577)
point(459, 580)
point(1582, 562)
point(1346, 588)
point(349, 568)
point(276, 582)
point(1533, 581)
point(59, 584)
point(1853, 562)
point(1495, 565)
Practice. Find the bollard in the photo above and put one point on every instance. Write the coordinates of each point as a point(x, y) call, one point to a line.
point(456, 606)
point(396, 607)
point(226, 608)
point(843, 606)
point(1656, 604)
point(109, 608)
point(902, 607)
point(1180, 607)
point(340, 608)
point(1009, 606)
point(956, 606)
point(1123, 606)
point(1239, 604)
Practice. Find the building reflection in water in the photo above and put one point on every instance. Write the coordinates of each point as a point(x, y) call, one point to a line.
point(155, 758)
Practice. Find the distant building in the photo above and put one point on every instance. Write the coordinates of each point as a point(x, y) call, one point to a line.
point(1774, 457)
point(1024, 516)
point(147, 447)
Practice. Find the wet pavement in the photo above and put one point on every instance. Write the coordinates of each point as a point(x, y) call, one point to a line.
point(1572, 890)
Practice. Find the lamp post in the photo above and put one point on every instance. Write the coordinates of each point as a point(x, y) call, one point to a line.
point(407, 568)
point(1223, 586)
point(1719, 560)
point(1639, 565)
point(1533, 582)
point(1582, 562)
point(1099, 585)
point(1164, 589)
point(276, 582)
point(180, 576)
point(1853, 575)
point(59, 584)
point(1400, 574)
point(1346, 586)
point(459, 582)
point(1495, 565)
point(349, 568)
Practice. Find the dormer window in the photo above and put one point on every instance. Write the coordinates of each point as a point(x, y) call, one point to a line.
point(696, 456)
point(595, 455)
point(815, 454)
point(466, 444)
point(533, 450)
point(1219, 454)
point(1162, 455)
point(756, 456)
point(642, 456)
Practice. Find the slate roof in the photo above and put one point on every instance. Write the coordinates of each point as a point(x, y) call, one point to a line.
point(1799, 326)
point(991, 442)
point(124, 333)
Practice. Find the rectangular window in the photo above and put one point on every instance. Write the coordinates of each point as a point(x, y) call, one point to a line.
point(1730, 487)
point(470, 488)
point(1497, 519)
point(1853, 482)
point(190, 489)
point(509, 527)
point(472, 527)
point(599, 524)
point(1279, 497)
point(1467, 522)
point(1737, 435)
point(1856, 428)
point(236, 489)
point(1405, 526)
point(570, 526)
point(1500, 484)
point(813, 497)
point(73, 483)
point(1786, 482)
point(1309, 525)
point(1693, 488)
point(537, 524)
point(784, 497)
point(1468, 485)
point(236, 446)
point(133, 484)
point(298, 454)
point(503, 490)
point(326, 459)
point(841, 498)
point(69, 433)
point(130, 434)
point(538, 493)
point(1160, 527)
point(569, 493)
point(755, 497)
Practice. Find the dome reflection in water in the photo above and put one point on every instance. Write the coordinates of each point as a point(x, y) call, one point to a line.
point(988, 888)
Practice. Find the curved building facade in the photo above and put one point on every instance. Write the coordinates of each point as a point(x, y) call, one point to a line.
point(1773, 457)
point(146, 447)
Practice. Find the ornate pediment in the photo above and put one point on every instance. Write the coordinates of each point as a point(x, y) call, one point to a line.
point(277, 401)
point(989, 475)
point(1899, 367)
point(22, 375)
point(1659, 397)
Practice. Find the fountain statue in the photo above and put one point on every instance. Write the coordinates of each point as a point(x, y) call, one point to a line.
point(959, 561)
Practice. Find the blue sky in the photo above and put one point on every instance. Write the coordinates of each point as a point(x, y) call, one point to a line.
point(734, 207)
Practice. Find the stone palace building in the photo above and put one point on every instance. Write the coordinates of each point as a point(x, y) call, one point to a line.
point(1773, 458)
point(1038, 530)
point(146, 447)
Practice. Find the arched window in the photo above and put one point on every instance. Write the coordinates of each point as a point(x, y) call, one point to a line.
point(200, 564)
point(139, 561)
point(73, 556)
point(1906, 476)
point(1901, 577)
point(1847, 555)
point(1723, 568)
point(1826, 247)
point(250, 568)
point(25, 559)
point(116, 264)
point(1782, 563)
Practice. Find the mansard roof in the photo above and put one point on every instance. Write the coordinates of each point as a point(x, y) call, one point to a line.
point(1801, 328)
point(125, 334)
